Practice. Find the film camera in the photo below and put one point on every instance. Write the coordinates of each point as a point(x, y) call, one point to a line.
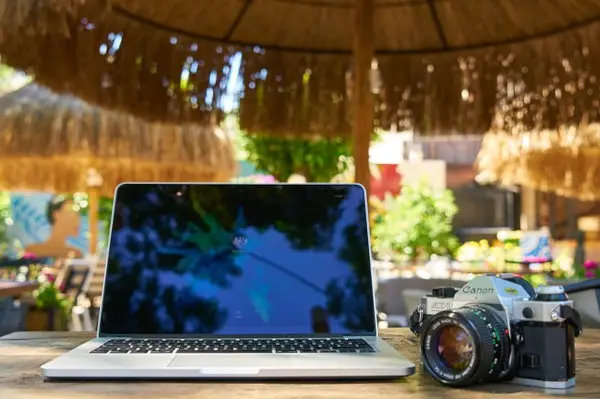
point(498, 328)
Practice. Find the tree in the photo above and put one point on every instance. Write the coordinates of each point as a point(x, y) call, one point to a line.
point(351, 301)
point(417, 223)
point(317, 160)
point(285, 210)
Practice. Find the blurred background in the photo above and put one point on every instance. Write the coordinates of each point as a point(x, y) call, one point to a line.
point(474, 127)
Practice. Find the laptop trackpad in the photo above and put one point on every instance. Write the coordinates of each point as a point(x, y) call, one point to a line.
point(227, 364)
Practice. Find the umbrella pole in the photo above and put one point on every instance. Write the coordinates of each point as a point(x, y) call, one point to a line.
point(363, 97)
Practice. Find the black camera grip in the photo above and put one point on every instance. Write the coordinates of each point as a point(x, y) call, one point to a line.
point(572, 317)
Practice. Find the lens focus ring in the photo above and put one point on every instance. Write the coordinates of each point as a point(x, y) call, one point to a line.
point(465, 346)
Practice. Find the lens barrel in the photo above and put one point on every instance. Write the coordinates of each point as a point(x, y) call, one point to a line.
point(466, 346)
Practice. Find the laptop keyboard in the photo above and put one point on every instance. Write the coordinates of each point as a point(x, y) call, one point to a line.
point(285, 345)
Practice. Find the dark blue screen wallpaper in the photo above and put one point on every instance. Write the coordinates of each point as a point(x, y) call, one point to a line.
point(238, 259)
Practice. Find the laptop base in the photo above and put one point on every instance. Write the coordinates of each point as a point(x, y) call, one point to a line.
point(80, 364)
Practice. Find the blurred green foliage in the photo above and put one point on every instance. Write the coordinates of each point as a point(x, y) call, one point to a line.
point(316, 160)
point(105, 205)
point(416, 224)
point(4, 219)
point(48, 296)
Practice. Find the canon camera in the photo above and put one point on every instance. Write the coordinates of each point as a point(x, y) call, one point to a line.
point(498, 328)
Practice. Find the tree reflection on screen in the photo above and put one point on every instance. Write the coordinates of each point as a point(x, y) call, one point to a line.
point(168, 252)
point(348, 300)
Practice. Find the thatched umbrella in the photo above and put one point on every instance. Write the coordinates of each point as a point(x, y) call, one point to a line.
point(51, 142)
point(565, 161)
point(436, 70)
point(548, 139)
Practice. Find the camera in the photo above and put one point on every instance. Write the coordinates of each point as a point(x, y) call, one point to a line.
point(498, 328)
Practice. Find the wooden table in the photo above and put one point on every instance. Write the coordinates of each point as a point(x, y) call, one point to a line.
point(21, 355)
point(14, 288)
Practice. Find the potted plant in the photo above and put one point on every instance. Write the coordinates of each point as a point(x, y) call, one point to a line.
point(50, 311)
point(416, 225)
point(589, 270)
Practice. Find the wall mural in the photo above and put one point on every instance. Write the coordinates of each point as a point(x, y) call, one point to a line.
point(46, 225)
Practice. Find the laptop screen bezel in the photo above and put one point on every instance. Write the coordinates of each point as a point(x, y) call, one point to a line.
point(375, 332)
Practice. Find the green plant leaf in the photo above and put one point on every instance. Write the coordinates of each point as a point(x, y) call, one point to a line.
point(417, 223)
point(317, 160)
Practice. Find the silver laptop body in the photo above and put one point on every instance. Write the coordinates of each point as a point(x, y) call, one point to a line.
point(236, 281)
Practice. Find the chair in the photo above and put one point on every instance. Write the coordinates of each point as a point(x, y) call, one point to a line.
point(94, 292)
point(75, 280)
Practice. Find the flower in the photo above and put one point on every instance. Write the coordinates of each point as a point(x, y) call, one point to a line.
point(589, 273)
point(50, 277)
point(590, 265)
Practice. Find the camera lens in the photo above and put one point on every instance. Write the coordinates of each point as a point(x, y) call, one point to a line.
point(466, 346)
point(454, 347)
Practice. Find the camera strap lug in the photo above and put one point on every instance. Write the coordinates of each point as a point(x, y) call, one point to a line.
point(517, 337)
point(571, 316)
point(416, 320)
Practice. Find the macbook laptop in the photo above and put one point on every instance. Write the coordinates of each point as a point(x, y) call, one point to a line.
point(236, 281)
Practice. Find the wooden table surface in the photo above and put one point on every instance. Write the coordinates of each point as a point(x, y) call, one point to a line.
point(14, 288)
point(21, 355)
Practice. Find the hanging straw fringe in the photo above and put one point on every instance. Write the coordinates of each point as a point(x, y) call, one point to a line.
point(39, 17)
point(565, 161)
point(48, 142)
point(548, 138)
point(110, 60)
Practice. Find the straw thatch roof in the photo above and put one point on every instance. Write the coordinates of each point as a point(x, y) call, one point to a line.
point(49, 142)
point(565, 161)
point(436, 71)
point(327, 26)
point(549, 138)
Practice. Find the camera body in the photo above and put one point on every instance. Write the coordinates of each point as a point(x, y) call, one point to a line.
point(498, 328)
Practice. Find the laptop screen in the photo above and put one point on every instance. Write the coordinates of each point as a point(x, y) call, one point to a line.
point(226, 259)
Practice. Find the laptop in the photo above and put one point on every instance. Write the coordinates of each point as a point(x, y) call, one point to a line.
point(236, 281)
